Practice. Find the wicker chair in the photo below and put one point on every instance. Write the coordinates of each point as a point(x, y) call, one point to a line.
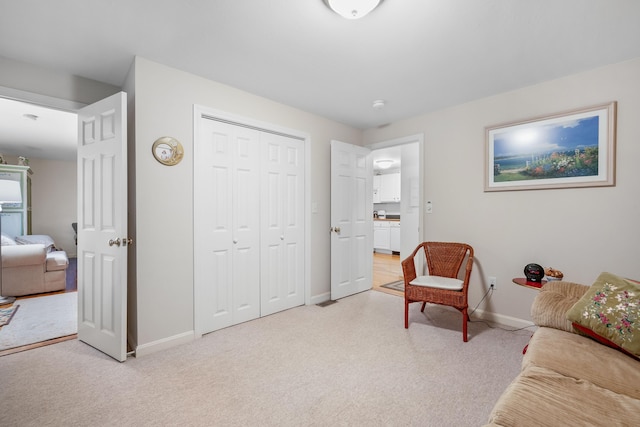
point(442, 285)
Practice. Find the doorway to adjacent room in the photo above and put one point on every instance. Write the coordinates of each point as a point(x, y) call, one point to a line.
point(396, 208)
point(386, 270)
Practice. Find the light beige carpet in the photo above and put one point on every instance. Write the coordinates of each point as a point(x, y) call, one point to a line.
point(351, 363)
point(40, 319)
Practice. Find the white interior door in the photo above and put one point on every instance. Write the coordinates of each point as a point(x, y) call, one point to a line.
point(102, 225)
point(351, 219)
point(227, 221)
point(282, 226)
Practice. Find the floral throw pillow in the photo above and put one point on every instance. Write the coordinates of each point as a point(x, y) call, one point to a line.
point(610, 313)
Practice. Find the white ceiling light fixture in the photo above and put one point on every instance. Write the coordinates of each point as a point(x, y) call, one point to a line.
point(352, 9)
point(379, 104)
point(384, 163)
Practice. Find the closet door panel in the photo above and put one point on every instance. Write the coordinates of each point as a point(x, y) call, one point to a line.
point(213, 257)
point(272, 228)
point(246, 226)
point(294, 222)
point(227, 241)
point(282, 230)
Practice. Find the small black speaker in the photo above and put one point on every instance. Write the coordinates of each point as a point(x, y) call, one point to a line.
point(534, 272)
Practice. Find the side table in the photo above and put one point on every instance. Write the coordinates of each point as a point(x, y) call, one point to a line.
point(522, 281)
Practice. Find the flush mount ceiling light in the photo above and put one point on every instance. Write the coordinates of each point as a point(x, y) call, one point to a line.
point(30, 117)
point(352, 9)
point(378, 104)
point(384, 163)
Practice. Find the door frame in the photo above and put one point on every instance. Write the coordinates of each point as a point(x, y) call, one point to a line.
point(397, 142)
point(45, 101)
point(41, 100)
point(61, 104)
point(201, 111)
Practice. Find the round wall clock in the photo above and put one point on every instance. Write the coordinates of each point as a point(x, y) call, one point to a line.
point(167, 150)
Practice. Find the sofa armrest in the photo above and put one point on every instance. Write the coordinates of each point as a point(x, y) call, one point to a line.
point(21, 255)
point(57, 260)
point(552, 303)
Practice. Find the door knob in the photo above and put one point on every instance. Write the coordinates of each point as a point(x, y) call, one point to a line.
point(235, 241)
point(114, 242)
point(336, 229)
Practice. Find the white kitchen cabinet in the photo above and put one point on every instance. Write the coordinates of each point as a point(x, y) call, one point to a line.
point(390, 188)
point(381, 236)
point(394, 236)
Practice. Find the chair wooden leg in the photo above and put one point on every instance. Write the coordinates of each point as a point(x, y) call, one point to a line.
point(424, 304)
point(406, 313)
point(465, 316)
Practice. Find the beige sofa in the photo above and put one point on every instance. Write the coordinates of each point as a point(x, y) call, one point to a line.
point(32, 269)
point(567, 378)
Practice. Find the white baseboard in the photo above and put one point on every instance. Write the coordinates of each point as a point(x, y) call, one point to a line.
point(501, 319)
point(163, 344)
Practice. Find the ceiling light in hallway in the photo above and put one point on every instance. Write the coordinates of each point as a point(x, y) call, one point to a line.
point(384, 163)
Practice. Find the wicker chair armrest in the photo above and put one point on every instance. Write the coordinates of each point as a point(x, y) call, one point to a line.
point(409, 266)
point(468, 268)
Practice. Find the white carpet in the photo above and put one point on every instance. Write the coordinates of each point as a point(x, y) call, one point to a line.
point(40, 319)
point(351, 363)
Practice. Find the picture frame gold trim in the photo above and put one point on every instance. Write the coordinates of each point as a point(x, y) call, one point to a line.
point(570, 149)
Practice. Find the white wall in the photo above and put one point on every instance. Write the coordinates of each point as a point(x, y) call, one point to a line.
point(164, 99)
point(579, 231)
point(30, 78)
point(54, 201)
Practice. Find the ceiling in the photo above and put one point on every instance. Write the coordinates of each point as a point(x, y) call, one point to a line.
point(33, 131)
point(418, 56)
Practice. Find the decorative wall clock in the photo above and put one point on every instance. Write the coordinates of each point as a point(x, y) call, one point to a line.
point(167, 150)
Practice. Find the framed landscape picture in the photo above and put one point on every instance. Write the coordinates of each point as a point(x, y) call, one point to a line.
point(571, 149)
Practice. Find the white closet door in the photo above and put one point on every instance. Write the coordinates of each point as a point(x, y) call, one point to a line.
point(282, 226)
point(227, 217)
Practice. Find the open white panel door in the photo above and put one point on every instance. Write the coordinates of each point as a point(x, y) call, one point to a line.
point(102, 225)
point(351, 219)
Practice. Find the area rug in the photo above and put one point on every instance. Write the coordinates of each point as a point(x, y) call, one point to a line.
point(41, 319)
point(396, 286)
point(6, 314)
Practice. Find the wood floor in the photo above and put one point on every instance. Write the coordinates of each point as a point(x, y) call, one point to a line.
point(386, 269)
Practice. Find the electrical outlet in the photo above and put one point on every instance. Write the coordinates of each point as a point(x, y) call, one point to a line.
point(492, 283)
